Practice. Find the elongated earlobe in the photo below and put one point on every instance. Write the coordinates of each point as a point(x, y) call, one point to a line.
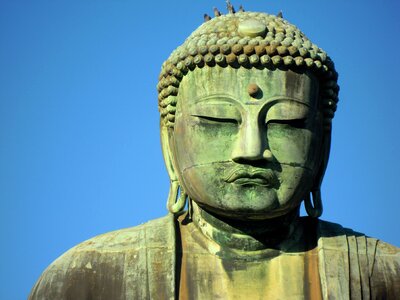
point(314, 207)
point(177, 198)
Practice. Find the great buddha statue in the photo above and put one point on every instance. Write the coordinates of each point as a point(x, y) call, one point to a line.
point(246, 105)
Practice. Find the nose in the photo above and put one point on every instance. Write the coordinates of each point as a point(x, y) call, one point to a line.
point(251, 143)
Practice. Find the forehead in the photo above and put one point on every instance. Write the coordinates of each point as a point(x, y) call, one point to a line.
point(201, 83)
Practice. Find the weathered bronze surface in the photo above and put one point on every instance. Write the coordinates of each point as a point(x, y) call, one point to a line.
point(246, 106)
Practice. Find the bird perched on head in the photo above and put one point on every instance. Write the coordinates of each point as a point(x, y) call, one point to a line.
point(216, 12)
point(230, 7)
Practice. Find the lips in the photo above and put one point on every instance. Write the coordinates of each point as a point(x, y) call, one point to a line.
point(251, 177)
point(251, 181)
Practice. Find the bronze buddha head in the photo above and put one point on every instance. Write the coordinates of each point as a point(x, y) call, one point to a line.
point(246, 107)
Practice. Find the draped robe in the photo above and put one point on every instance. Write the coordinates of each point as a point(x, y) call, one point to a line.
point(157, 260)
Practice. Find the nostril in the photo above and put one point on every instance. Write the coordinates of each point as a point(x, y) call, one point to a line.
point(265, 155)
point(257, 163)
point(247, 157)
point(238, 159)
point(241, 160)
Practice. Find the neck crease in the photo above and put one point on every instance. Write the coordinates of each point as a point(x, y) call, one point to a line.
point(246, 235)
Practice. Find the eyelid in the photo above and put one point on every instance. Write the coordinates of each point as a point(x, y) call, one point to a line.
point(221, 112)
point(286, 111)
point(217, 120)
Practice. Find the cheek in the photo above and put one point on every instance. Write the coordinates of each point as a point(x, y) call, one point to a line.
point(199, 143)
point(292, 145)
point(201, 181)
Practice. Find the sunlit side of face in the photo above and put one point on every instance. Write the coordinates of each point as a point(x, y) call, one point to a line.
point(247, 155)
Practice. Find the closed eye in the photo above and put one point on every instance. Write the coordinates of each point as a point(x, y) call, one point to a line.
point(217, 120)
point(296, 123)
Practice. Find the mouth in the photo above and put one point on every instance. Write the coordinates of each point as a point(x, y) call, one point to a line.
point(247, 177)
point(252, 181)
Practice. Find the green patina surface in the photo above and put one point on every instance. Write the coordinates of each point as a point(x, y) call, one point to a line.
point(246, 105)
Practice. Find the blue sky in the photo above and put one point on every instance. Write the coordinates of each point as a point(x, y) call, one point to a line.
point(79, 145)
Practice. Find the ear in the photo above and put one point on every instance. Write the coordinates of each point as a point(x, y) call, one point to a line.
point(315, 210)
point(325, 150)
point(166, 135)
point(175, 204)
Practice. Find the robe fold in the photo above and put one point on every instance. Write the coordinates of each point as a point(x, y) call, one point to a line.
point(145, 262)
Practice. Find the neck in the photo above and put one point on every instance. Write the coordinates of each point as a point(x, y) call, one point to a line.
point(246, 235)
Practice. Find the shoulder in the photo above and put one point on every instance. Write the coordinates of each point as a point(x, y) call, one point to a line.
point(372, 263)
point(128, 239)
point(385, 272)
point(101, 266)
point(335, 235)
point(328, 230)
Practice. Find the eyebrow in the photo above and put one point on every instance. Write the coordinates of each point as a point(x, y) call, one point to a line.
point(277, 99)
point(224, 97)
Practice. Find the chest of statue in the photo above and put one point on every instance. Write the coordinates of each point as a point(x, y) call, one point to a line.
point(209, 272)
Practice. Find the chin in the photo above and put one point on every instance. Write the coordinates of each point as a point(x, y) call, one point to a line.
point(241, 212)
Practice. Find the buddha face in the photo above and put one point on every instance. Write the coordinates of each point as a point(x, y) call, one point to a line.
point(247, 142)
